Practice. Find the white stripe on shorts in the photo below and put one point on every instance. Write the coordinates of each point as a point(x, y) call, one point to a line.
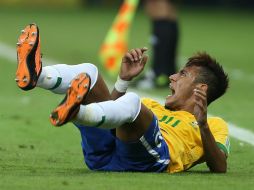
point(153, 152)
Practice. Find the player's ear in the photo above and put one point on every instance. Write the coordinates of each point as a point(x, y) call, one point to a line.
point(202, 86)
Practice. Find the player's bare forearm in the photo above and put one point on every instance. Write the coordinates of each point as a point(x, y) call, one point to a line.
point(215, 158)
point(133, 63)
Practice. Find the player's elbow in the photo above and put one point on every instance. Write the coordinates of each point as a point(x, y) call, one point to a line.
point(219, 169)
point(224, 170)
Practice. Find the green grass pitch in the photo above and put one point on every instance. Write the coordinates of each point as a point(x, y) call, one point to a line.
point(35, 155)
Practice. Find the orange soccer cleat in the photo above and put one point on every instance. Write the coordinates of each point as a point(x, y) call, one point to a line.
point(28, 57)
point(75, 95)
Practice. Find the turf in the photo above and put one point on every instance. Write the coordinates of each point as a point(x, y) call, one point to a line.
point(35, 155)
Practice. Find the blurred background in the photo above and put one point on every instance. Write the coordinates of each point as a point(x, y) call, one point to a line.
point(67, 3)
point(72, 31)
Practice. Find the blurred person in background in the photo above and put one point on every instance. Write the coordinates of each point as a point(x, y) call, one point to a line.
point(163, 16)
point(164, 39)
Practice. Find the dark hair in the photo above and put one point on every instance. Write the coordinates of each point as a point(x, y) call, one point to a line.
point(211, 73)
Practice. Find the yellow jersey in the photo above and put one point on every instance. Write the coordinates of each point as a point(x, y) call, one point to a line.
point(181, 133)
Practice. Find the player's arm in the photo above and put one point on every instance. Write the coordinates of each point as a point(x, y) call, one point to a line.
point(133, 63)
point(215, 159)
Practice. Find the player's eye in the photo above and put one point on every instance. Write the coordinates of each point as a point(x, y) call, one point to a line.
point(182, 73)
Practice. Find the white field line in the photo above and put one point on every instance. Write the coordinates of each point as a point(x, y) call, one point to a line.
point(9, 53)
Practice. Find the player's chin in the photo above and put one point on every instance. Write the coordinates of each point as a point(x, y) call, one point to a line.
point(169, 101)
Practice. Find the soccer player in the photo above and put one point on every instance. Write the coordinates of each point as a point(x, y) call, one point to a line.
point(120, 131)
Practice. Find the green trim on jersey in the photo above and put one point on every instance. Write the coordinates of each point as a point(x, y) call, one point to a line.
point(58, 82)
point(176, 123)
point(223, 148)
point(169, 119)
point(163, 118)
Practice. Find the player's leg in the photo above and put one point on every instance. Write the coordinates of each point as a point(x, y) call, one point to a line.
point(30, 73)
point(163, 15)
point(164, 40)
point(126, 110)
point(147, 152)
point(139, 145)
point(134, 123)
point(57, 78)
point(97, 144)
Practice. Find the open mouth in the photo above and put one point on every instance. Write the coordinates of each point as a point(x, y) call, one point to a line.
point(172, 89)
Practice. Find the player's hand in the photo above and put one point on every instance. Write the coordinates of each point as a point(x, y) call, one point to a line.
point(133, 63)
point(200, 108)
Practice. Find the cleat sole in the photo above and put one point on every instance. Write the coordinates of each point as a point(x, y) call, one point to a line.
point(75, 96)
point(28, 56)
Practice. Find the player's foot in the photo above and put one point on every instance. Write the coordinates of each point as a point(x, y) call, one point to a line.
point(75, 95)
point(28, 57)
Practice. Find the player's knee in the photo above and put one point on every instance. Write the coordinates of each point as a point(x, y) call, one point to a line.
point(92, 71)
point(110, 114)
point(132, 105)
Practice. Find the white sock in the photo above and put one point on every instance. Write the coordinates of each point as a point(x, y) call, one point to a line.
point(48, 78)
point(57, 78)
point(110, 114)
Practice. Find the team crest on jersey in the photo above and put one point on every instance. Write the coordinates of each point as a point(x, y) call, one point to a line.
point(194, 124)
